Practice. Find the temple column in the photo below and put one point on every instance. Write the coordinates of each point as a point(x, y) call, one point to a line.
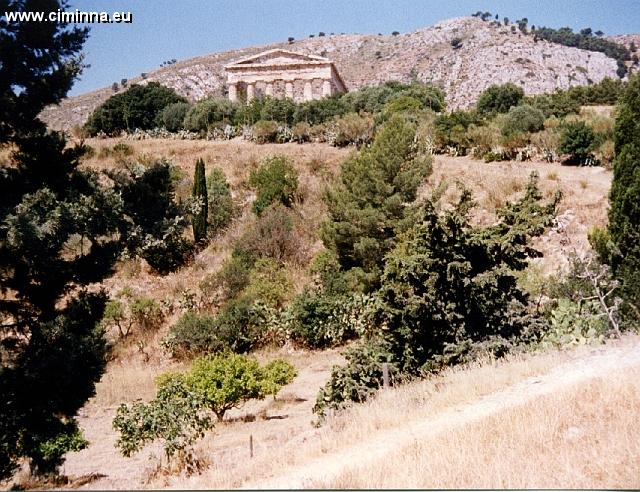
point(268, 91)
point(308, 91)
point(251, 92)
point(326, 88)
point(233, 92)
point(288, 89)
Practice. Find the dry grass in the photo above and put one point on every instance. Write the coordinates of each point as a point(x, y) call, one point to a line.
point(584, 437)
point(126, 380)
point(584, 204)
point(284, 448)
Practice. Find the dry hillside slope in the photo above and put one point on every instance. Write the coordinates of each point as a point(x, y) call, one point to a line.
point(488, 55)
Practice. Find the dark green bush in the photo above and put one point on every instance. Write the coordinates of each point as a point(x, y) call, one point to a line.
point(238, 327)
point(448, 281)
point(451, 130)
point(280, 110)
point(499, 99)
point(447, 287)
point(233, 277)
point(275, 181)
point(557, 104)
point(358, 380)
point(140, 106)
point(577, 140)
point(523, 118)
point(155, 221)
point(193, 334)
point(624, 213)
point(320, 110)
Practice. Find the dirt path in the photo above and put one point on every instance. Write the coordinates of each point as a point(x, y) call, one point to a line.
point(383, 443)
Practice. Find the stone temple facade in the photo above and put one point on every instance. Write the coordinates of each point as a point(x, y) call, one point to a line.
point(282, 73)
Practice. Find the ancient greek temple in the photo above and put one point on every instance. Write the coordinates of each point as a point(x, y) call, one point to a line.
point(282, 73)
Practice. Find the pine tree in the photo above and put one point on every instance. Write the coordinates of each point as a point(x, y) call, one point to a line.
point(624, 214)
point(52, 348)
point(200, 194)
point(370, 201)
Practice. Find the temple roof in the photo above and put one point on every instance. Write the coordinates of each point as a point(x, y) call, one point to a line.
point(278, 56)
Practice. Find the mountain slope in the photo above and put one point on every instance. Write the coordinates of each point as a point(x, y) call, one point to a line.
point(488, 54)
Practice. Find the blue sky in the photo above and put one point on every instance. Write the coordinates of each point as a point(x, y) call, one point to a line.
point(166, 29)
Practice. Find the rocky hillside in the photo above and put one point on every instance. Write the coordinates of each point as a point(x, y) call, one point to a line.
point(485, 54)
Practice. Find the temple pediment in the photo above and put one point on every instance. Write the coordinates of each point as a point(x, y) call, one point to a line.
point(283, 73)
point(278, 57)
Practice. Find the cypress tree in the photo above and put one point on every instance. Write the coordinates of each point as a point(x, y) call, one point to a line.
point(200, 193)
point(624, 214)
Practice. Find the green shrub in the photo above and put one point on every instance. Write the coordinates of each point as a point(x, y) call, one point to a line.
point(208, 112)
point(146, 313)
point(174, 417)
point(233, 277)
point(451, 130)
point(499, 98)
point(240, 324)
point(193, 334)
point(221, 206)
point(445, 282)
point(264, 131)
point(173, 116)
point(238, 327)
point(602, 244)
point(523, 118)
point(227, 381)
point(275, 375)
point(269, 283)
point(275, 109)
point(353, 129)
point(320, 110)
point(275, 181)
point(155, 221)
point(115, 314)
point(358, 380)
point(447, 286)
point(401, 104)
point(577, 140)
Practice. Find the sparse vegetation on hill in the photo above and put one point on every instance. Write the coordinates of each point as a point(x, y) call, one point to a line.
point(489, 54)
